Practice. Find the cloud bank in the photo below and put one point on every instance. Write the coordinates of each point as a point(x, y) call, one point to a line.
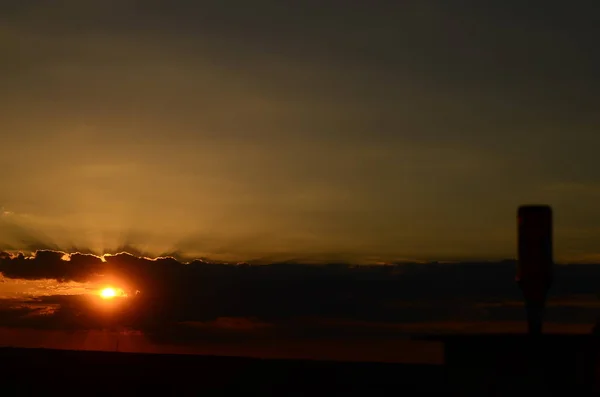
point(165, 293)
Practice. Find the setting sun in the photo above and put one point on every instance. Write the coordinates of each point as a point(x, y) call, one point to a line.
point(108, 293)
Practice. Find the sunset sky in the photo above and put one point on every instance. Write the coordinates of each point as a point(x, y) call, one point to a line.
point(245, 130)
point(146, 142)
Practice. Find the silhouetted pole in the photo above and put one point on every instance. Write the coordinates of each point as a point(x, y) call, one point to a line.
point(535, 262)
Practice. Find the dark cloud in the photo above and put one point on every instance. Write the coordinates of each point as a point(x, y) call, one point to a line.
point(46, 264)
point(172, 294)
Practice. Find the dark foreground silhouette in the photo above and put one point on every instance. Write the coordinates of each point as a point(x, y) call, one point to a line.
point(474, 365)
point(45, 371)
point(517, 364)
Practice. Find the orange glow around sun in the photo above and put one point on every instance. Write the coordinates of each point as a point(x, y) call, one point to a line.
point(108, 293)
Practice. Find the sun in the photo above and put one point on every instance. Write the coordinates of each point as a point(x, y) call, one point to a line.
point(108, 293)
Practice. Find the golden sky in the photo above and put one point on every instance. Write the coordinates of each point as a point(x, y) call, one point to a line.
point(245, 130)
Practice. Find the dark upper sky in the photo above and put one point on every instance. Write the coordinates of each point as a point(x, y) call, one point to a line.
point(269, 129)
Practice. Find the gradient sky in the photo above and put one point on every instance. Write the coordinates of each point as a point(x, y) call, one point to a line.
point(260, 129)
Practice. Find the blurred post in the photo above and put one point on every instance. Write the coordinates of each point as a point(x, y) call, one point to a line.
point(535, 261)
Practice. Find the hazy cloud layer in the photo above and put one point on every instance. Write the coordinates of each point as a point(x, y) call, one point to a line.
point(238, 130)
